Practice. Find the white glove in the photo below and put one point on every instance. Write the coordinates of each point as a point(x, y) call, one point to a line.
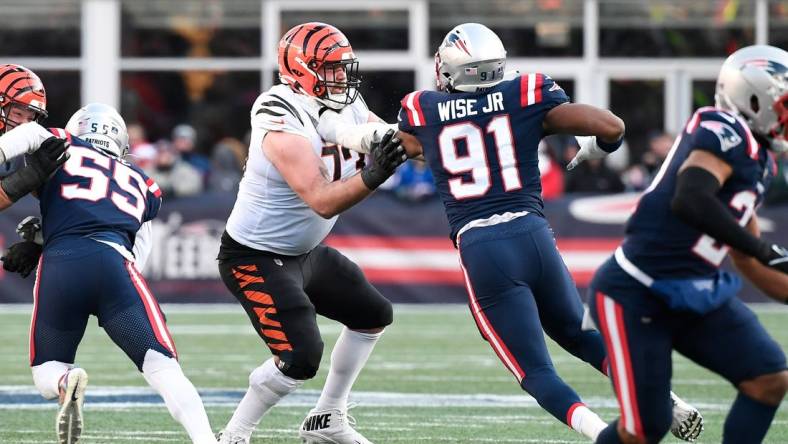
point(22, 139)
point(588, 151)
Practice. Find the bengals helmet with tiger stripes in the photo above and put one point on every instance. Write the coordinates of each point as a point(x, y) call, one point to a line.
point(20, 87)
point(316, 59)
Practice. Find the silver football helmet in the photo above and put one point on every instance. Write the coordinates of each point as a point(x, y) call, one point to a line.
point(470, 58)
point(101, 126)
point(753, 83)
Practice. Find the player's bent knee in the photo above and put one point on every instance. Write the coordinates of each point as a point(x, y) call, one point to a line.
point(302, 362)
point(378, 319)
point(46, 377)
point(768, 389)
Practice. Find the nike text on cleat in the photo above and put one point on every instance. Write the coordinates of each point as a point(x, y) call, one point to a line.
point(687, 422)
point(332, 426)
point(68, 423)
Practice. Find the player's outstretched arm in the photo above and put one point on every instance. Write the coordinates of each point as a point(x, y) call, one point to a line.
point(22, 139)
point(584, 120)
point(357, 137)
point(773, 283)
point(695, 202)
point(306, 174)
point(41, 165)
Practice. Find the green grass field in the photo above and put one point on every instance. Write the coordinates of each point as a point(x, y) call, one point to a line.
point(432, 379)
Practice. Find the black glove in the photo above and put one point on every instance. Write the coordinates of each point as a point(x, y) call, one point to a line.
point(385, 156)
point(40, 166)
point(775, 257)
point(22, 258)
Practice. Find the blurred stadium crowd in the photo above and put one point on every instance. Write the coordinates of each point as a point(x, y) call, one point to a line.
point(189, 127)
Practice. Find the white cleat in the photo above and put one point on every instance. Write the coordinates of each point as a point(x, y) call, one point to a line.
point(68, 422)
point(227, 437)
point(331, 426)
point(687, 421)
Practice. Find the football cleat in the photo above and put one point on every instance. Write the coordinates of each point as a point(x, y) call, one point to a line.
point(331, 426)
point(687, 422)
point(68, 422)
point(227, 437)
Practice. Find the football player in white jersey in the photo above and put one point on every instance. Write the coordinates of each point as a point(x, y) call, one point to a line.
point(293, 188)
point(23, 103)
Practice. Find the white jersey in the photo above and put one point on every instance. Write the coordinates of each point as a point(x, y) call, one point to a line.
point(268, 215)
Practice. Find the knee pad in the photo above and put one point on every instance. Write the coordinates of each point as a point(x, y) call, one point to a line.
point(302, 362)
point(46, 377)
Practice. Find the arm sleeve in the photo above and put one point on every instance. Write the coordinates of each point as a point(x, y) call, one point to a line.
point(22, 139)
point(695, 203)
point(357, 137)
point(143, 244)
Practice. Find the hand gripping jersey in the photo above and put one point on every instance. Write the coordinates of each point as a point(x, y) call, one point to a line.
point(268, 215)
point(482, 146)
point(660, 244)
point(96, 196)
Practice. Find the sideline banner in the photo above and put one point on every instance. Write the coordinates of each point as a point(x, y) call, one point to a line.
point(403, 247)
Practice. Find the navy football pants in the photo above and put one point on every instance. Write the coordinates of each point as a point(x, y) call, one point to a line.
point(518, 285)
point(641, 334)
point(82, 277)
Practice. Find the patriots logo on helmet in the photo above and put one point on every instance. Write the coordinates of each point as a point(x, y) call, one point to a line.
point(454, 39)
point(727, 136)
point(770, 66)
point(777, 70)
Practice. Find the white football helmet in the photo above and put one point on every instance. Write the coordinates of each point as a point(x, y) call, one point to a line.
point(753, 83)
point(101, 126)
point(470, 58)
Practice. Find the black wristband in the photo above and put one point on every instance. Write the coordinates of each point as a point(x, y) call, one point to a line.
point(609, 147)
point(20, 183)
point(695, 202)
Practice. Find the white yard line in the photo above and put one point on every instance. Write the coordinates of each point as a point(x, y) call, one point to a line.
point(26, 397)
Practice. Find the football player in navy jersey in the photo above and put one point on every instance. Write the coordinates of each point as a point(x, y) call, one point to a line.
point(479, 134)
point(663, 289)
point(96, 214)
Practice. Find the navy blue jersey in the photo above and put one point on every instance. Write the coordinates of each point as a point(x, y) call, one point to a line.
point(482, 146)
point(656, 240)
point(98, 196)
